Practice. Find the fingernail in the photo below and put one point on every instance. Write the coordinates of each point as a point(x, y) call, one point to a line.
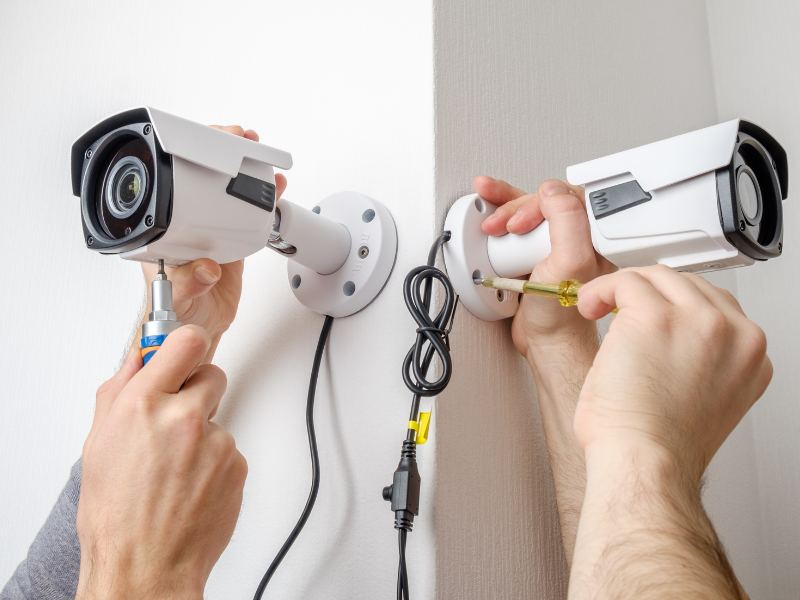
point(556, 188)
point(205, 276)
point(517, 216)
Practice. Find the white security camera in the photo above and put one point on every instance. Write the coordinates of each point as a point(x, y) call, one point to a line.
point(703, 201)
point(154, 186)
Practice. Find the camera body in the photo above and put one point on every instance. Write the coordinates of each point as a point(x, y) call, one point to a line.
point(704, 201)
point(157, 186)
point(154, 186)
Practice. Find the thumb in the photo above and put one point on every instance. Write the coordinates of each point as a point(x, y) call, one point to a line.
point(108, 392)
point(191, 280)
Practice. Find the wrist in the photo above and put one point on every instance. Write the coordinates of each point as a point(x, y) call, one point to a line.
point(639, 467)
point(116, 584)
point(562, 358)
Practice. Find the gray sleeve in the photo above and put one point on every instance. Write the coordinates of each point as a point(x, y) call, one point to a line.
point(50, 571)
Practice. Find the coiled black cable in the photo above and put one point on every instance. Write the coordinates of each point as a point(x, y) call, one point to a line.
point(432, 340)
point(417, 292)
point(312, 443)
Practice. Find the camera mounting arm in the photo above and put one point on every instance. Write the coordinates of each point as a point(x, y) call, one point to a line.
point(341, 253)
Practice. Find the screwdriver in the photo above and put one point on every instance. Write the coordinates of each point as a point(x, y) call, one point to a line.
point(565, 292)
point(162, 320)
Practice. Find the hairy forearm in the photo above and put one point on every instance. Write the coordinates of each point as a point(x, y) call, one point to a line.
point(559, 365)
point(643, 532)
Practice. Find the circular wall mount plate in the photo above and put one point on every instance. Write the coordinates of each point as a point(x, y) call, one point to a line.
point(467, 260)
point(373, 249)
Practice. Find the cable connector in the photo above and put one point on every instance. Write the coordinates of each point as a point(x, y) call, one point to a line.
point(404, 491)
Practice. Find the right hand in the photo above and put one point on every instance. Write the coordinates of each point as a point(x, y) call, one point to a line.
point(162, 485)
point(679, 368)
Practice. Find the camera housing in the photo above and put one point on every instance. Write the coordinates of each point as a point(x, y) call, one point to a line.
point(154, 186)
point(157, 186)
point(703, 201)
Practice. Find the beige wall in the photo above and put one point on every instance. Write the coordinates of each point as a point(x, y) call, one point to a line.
point(523, 89)
point(756, 55)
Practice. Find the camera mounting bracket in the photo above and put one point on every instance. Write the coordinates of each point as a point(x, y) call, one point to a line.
point(466, 257)
point(373, 249)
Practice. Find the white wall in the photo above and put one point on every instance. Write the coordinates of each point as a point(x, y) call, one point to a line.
point(756, 53)
point(346, 87)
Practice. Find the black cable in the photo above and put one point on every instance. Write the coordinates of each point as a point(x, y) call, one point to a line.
point(432, 340)
point(402, 574)
point(417, 292)
point(312, 443)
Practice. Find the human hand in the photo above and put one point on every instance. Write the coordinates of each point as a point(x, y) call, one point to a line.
point(558, 343)
point(541, 322)
point(205, 293)
point(162, 485)
point(679, 368)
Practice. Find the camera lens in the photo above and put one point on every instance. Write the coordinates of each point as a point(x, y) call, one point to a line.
point(126, 185)
point(749, 196)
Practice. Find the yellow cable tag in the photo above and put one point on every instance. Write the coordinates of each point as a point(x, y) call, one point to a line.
point(422, 427)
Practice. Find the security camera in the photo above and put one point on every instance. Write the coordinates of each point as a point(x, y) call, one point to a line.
point(157, 187)
point(699, 202)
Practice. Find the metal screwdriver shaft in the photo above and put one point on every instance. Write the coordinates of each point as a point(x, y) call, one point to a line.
point(162, 320)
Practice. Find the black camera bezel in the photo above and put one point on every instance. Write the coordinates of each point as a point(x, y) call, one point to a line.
point(159, 206)
point(731, 215)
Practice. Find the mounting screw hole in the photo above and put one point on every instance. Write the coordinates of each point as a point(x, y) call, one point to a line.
point(149, 221)
point(780, 248)
point(316, 209)
point(742, 226)
point(712, 266)
point(127, 231)
point(501, 296)
point(363, 252)
point(147, 129)
point(89, 241)
point(477, 277)
point(480, 205)
point(368, 215)
point(89, 153)
point(349, 288)
point(296, 282)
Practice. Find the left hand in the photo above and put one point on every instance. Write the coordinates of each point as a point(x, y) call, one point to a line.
point(543, 321)
point(205, 293)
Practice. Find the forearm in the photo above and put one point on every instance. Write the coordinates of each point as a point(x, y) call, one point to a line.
point(643, 532)
point(50, 569)
point(559, 365)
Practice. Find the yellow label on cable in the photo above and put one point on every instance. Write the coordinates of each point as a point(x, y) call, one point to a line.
point(421, 427)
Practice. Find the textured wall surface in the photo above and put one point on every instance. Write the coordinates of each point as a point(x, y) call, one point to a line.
point(346, 87)
point(756, 51)
point(524, 89)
